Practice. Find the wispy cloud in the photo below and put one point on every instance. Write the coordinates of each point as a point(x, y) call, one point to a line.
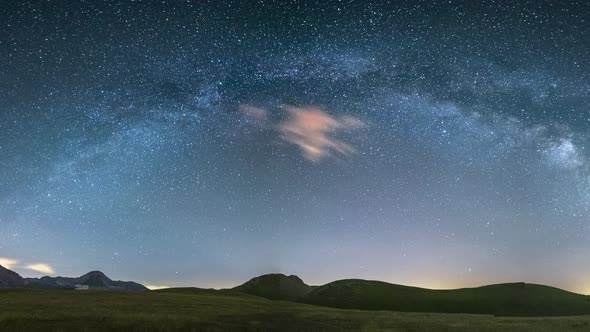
point(313, 130)
point(12, 264)
point(8, 262)
point(254, 113)
point(41, 268)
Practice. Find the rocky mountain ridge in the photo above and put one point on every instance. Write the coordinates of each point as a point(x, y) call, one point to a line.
point(94, 280)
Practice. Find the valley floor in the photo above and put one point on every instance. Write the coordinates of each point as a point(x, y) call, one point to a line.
point(65, 310)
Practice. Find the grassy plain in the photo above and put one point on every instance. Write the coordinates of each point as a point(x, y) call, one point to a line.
point(204, 310)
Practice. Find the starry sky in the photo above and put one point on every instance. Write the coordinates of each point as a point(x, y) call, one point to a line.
point(431, 143)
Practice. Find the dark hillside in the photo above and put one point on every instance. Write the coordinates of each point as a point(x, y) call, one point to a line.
point(276, 287)
point(10, 279)
point(513, 299)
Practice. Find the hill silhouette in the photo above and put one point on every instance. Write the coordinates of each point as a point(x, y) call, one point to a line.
point(10, 279)
point(275, 286)
point(511, 299)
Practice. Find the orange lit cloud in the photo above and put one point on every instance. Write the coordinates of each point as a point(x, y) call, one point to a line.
point(309, 128)
point(312, 130)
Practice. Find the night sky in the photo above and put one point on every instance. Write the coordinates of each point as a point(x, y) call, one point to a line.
point(431, 143)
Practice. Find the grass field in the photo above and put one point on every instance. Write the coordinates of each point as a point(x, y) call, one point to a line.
point(202, 310)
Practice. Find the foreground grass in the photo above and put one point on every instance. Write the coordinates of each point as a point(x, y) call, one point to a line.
point(54, 310)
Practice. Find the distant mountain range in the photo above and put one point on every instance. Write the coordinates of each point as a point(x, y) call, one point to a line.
point(94, 280)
